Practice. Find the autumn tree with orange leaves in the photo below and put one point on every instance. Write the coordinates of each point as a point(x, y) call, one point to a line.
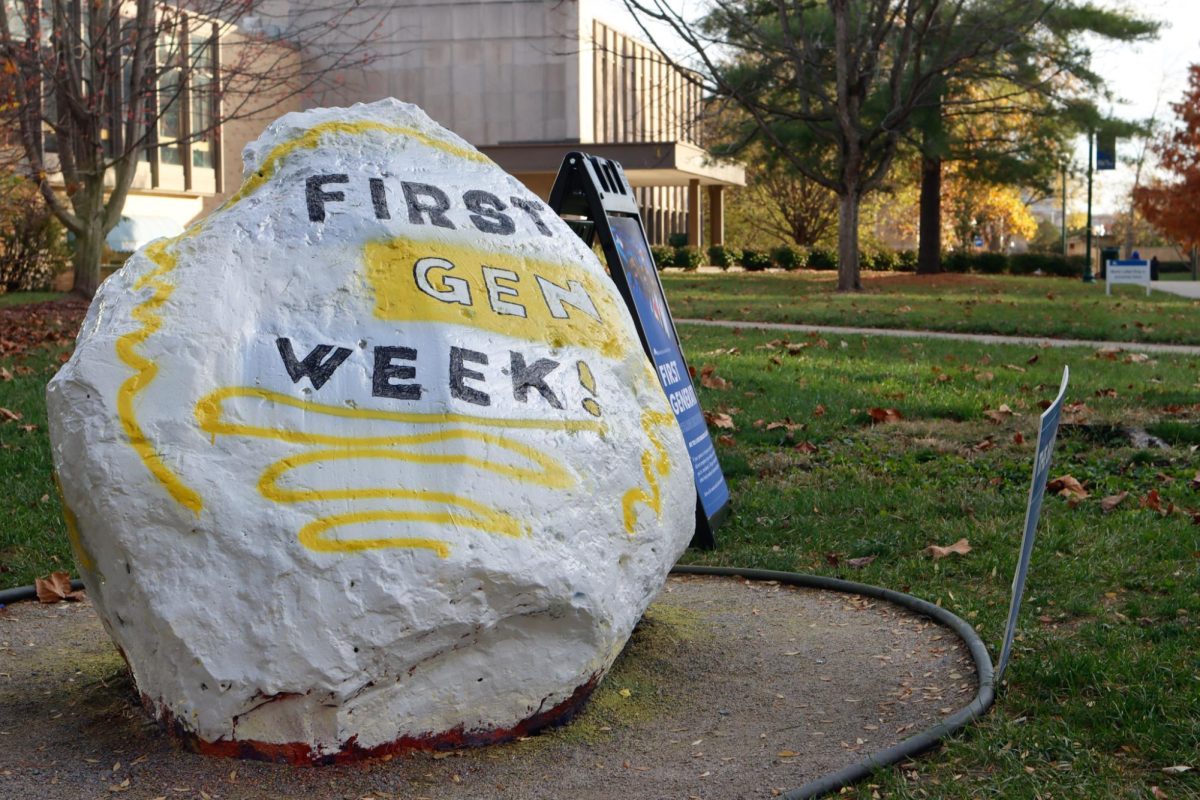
point(1173, 204)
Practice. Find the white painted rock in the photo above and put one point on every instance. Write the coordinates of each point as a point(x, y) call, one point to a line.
point(371, 458)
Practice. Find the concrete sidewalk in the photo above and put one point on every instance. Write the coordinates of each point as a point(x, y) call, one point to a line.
point(982, 338)
point(1190, 289)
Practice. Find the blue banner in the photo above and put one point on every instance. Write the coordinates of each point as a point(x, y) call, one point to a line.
point(647, 296)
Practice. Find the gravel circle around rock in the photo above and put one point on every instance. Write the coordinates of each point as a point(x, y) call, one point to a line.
point(728, 689)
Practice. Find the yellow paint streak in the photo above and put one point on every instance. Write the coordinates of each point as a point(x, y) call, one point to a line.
point(541, 469)
point(82, 556)
point(146, 370)
point(313, 536)
point(390, 271)
point(652, 469)
point(312, 137)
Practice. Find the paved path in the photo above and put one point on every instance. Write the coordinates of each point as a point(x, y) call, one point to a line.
point(1182, 288)
point(982, 338)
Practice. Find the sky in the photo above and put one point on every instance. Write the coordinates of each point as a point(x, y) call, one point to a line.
point(1143, 78)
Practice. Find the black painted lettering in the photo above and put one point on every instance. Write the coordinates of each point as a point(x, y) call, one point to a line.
point(534, 209)
point(386, 371)
point(318, 366)
point(425, 200)
point(317, 197)
point(532, 376)
point(486, 216)
point(459, 374)
point(379, 199)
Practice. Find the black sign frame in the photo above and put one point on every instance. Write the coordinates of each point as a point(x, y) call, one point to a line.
point(589, 193)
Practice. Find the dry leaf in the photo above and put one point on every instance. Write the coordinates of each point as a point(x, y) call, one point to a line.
point(806, 447)
point(1108, 353)
point(726, 440)
point(8, 415)
point(1136, 358)
point(998, 415)
point(961, 547)
point(859, 563)
point(1179, 769)
point(1152, 501)
point(1112, 501)
point(1158, 794)
point(819, 411)
point(1066, 486)
point(984, 377)
point(788, 754)
point(719, 420)
point(710, 380)
point(884, 415)
point(1018, 438)
point(5, 375)
point(1195, 482)
point(55, 587)
point(1032, 359)
point(1106, 393)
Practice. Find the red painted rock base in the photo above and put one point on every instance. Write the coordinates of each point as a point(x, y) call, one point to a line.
point(301, 754)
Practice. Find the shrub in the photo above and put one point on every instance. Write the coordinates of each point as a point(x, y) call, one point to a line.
point(1028, 263)
point(957, 261)
point(663, 256)
point(883, 260)
point(820, 258)
point(788, 257)
point(906, 261)
point(688, 257)
point(32, 246)
point(677, 240)
point(754, 261)
point(720, 255)
point(991, 263)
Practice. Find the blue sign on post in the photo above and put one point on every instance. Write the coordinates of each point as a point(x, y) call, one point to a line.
point(1106, 151)
point(1047, 433)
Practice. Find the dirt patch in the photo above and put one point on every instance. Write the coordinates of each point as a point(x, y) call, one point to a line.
point(727, 689)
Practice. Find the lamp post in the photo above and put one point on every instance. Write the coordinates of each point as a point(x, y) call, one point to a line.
point(1088, 277)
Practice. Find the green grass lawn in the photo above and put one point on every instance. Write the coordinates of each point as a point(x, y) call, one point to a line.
point(1030, 306)
point(1104, 689)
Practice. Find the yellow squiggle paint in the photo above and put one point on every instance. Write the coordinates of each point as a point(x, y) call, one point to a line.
point(545, 470)
point(146, 370)
point(82, 556)
point(652, 468)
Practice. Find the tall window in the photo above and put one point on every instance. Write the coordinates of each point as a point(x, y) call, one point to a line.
point(170, 103)
point(203, 97)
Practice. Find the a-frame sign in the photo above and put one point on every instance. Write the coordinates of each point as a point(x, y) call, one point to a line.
point(595, 199)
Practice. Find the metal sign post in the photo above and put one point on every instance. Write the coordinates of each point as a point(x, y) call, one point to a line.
point(1047, 432)
point(594, 198)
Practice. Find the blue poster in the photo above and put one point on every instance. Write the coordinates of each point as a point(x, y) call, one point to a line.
point(663, 345)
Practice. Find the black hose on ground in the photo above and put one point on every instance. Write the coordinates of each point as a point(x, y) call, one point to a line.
point(19, 593)
point(917, 743)
point(906, 749)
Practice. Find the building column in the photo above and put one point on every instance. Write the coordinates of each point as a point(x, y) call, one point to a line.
point(716, 215)
point(693, 213)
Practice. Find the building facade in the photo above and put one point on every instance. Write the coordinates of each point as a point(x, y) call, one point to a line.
point(527, 81)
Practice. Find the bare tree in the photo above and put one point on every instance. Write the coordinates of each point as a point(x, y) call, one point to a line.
point(833, 85)
point(90, 86)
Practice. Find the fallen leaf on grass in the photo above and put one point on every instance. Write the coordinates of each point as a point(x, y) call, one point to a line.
point(1106, 393)
point(1032, 359)
point(1018, 438)
point(55, 588)
point(709, 379)
point(726, 440)
point(1152, 501)
point(9, 415)
point(998, 415)
point(1178, 769)
point(786, 424)
point(806, 447)
point(719, 420)
point(5, 375)
point(1066, 486)
point(1136, 358)
point(859, 563)
point(1108, 353)
point(833, 559)
point(819, 411)
point(1195, 482)
point(884, 415)
point(788, 754)
point(961, 547)
point(1158, 794)
point(984, 377)
point(1112, 501)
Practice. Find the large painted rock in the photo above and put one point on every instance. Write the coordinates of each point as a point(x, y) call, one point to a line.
point(371, 458)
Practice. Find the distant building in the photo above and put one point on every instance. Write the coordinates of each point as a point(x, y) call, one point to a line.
point(527, 81)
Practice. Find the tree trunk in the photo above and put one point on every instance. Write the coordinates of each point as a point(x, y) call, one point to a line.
point(929, 252)
point(848, 206)
point(89, 247)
